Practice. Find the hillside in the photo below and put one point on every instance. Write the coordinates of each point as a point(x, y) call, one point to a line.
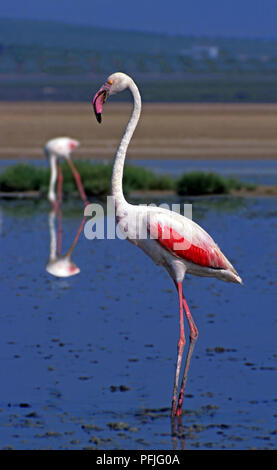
point(65, 36)
point(56, 61)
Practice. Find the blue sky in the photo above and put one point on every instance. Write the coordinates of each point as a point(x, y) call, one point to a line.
point(252, 18)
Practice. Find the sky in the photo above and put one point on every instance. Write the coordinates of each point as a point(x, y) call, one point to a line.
point(238, 18)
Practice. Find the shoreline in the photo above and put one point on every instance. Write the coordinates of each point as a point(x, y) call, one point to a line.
point(260, 191)
point(185, 156)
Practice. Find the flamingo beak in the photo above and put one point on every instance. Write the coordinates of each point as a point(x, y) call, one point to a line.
point(99, 99)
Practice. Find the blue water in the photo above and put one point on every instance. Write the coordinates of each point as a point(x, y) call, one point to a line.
point(251, 171)
point(88, 361)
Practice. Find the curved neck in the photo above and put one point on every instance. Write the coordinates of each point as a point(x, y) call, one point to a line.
point(118, 166)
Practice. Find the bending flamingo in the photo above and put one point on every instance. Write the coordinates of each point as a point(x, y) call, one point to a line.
point(55, 149)
point(174, 241)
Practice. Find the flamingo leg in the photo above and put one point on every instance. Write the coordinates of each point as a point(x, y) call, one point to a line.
point(78, 181)
point(193, 335)
point(60, 184)
point(75, 241)
point(60, 231)
point(177, 434)
point(180, 349)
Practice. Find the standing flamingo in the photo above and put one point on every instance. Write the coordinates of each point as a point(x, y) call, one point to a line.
point(55, 149)
point(174, 241)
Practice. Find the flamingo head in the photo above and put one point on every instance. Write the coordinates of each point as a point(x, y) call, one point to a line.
point(115, 83)
point(61, 146)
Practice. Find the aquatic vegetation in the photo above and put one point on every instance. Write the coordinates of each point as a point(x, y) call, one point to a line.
point(142, 179)
point(96, 177)
point(198, 182)
point(23, 177)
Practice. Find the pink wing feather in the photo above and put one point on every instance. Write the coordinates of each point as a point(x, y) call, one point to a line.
point(187, 240)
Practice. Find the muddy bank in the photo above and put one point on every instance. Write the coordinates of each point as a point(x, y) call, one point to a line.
point(178, 131)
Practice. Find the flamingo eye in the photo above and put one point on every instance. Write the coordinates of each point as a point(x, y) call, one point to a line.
point(110, 82)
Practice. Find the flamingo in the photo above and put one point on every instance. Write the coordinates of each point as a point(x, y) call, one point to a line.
point(175, 242)
point(55, 149)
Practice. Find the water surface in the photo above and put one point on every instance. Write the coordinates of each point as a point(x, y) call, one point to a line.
point(88, 361)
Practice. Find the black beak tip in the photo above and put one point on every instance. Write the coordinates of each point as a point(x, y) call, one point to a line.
point(98, 117)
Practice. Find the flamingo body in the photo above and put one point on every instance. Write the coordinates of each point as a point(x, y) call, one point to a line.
point(175, 242)
point(56, 149)
point(61, 147)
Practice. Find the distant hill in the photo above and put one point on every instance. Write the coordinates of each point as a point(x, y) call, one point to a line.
point(66, 36)
point(54, 34)
point(50, 60)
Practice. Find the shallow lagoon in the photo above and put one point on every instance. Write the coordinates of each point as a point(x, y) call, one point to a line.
point(88, 361)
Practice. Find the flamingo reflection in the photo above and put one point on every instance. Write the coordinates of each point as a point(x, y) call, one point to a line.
point(61, 265)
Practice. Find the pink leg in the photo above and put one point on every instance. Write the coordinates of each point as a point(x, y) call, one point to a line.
point(193, 335)
point(181, 345)
point(78, 182)
point(75, 241)
point(177, 434)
